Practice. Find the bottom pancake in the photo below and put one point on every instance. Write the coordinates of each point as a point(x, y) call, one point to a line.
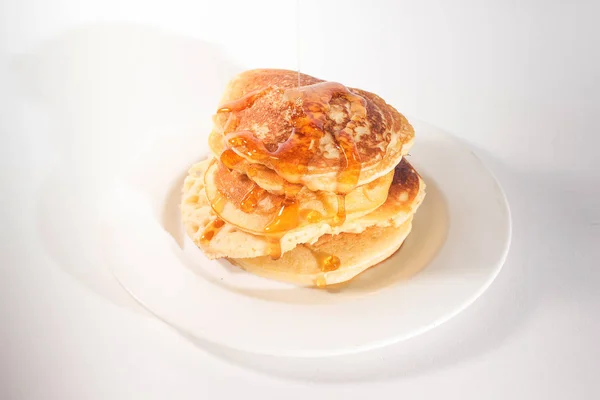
point(307, 265)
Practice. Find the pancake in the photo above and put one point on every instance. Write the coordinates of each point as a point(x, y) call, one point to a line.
point(354, 253)
point(321, 135)
point(219, 239)
point(405, 195)
point(239, 201)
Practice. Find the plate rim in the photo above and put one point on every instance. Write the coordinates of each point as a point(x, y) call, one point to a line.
point(392, 338)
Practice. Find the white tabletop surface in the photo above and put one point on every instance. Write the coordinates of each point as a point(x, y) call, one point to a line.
point(84, 84)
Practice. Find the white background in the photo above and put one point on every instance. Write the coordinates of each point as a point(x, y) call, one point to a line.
point(84, 84)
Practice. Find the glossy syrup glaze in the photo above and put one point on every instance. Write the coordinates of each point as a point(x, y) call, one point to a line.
point(309, 107)
point(212, 229)
point(252, 198)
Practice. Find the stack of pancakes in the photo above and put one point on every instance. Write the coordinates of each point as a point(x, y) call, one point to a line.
point(307, 182)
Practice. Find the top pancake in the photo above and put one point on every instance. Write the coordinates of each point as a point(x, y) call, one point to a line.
point(320, 135)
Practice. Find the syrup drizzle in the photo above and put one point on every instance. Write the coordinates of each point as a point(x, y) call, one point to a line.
point(311, 216)
point(287, 217)
point(243, 102)
point(340, 216)
point(321, 282)
point(252, 198)
point(330, 263)
point(298, 39)
point(327, 262)
point(293, 156)
point(309, 105)
point(218, 203)
point(274, 248)
point(212, 229)
point(230, 159)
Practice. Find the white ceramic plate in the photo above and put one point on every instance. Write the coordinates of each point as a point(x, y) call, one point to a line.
point(458, 244)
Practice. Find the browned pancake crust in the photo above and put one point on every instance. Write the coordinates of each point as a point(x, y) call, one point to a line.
point(406, 182)
point(269, 118)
